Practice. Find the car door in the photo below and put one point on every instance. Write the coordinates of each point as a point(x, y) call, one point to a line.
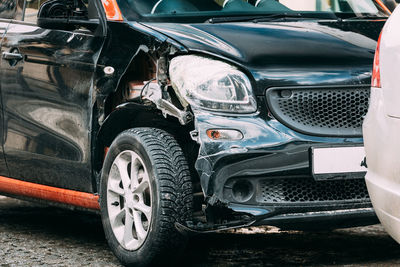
point(9, 9)
point(47, 103)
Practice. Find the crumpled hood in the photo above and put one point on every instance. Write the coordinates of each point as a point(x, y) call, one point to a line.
point(264, 48)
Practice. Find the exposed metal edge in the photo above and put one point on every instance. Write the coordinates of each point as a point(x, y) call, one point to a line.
point(187, 230)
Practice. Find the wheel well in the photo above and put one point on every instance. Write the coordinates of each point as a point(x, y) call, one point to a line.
point(124, 109)
point(141, 70)
point(133, 115)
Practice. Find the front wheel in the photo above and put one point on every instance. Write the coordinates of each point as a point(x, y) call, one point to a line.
point(145, 189)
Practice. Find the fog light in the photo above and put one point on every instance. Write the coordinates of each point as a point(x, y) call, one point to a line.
point(224, 134)
point(242, 191)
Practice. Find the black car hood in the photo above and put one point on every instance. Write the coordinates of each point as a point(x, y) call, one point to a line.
point(293, 47)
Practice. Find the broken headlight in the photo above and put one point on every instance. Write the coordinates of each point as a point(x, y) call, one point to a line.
point(211, 84)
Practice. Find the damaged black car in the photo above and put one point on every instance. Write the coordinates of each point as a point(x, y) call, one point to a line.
point(172, 117)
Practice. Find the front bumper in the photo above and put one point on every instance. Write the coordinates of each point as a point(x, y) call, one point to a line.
point(267, 174)
point(382, 147)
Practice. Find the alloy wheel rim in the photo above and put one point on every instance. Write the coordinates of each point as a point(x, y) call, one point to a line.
point(129, 199)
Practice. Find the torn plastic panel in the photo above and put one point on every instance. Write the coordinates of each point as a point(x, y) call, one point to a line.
point(231, 172)
point(268, 150)
point(211, 151)
point(127, 46)
point(120, 51)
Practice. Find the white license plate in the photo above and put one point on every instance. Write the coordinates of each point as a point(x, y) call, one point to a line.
point(338, 160)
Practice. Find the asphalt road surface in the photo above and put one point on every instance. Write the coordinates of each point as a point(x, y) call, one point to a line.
point(34, 235)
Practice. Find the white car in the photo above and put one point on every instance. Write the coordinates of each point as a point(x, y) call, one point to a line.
point(382, 129)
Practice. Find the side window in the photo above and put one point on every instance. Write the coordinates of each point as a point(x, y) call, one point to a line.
point(31, 10)
point(11, 9)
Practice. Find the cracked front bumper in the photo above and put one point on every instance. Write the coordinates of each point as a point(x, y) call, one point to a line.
point(268, 172)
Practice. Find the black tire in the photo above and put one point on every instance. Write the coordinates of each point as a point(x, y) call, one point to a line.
point(171, 187)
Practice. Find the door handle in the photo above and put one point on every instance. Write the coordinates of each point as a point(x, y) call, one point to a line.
point(12, 56)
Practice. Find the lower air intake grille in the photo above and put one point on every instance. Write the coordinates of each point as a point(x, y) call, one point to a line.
point(309, 190)
point(325, 111)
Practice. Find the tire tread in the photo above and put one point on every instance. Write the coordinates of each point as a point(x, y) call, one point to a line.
point(175, 190)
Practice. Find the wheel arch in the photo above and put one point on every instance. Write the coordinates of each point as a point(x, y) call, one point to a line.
point(132, 115)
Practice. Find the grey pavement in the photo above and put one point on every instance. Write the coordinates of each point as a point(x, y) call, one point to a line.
point(37, 235)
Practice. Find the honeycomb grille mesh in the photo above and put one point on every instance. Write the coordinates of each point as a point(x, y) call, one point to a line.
point(321, 111)
point(309, 190)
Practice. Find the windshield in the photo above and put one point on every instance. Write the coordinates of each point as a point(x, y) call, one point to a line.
point(170, 10)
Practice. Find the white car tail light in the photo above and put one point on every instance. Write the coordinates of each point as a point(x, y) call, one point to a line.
point(376, 72)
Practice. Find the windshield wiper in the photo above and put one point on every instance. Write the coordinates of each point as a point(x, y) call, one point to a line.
point(254, 19)
point(272, 17)
point(367, 16)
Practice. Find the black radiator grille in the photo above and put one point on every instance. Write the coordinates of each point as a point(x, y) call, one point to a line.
point(330, 111)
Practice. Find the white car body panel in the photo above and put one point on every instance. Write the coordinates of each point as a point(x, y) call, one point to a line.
point(390, 64)
point(382, 132)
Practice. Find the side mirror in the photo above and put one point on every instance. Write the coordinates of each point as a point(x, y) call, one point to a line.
point(65, 15)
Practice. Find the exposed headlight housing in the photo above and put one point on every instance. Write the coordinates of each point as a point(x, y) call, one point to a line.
point(212, 84)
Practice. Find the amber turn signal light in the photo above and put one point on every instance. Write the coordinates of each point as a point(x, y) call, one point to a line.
point(224, 134)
